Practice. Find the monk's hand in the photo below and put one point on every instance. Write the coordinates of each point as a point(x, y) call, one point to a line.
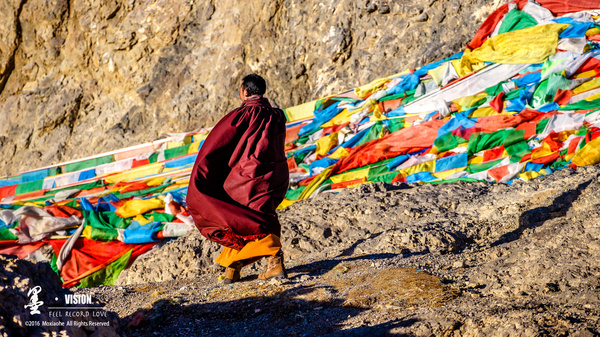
point(176, 208)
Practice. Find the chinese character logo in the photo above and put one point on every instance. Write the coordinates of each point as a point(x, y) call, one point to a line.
point(34, 302)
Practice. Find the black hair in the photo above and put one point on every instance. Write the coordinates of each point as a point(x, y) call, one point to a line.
point(254, 84)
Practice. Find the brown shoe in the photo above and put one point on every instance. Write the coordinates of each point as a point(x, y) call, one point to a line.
point(232, 273)
point(275, 267)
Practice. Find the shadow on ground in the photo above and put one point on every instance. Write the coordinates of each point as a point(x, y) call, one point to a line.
point(536, 217)
point(384, 329)
point(284, 312)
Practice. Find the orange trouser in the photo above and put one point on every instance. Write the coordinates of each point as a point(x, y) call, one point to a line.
point(251, 252)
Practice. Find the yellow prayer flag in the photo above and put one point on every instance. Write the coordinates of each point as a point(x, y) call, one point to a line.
point(444, 174)
point(541, 151)
point(340, 153)
point(341, 118)
point(377, 115)
point(315, 183)
point(352, 175)
point(299, 112)
point(465, 103)
point(370, 88)
point(285, 203)
point(589, 154)
point(483, 112)
point(592, 32)
point(586, 74)
point(135, 173)
point(437, 73)
point(132, 208)
point(155, 181)
point(87, 232)
point(593, 97)
point(524, 46)
point(140, 218)
point(426, 166)
point(194, 147)
point(324, 144)
point(529, 175)
point(475, 160)
point(589, 85)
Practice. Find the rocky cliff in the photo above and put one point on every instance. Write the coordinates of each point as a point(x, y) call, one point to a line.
point(81, 77)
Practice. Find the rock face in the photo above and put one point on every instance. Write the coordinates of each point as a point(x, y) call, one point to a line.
point(182, 259)
point(78, 78)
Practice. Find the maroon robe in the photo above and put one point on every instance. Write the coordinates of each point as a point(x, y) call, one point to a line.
point(240, 176)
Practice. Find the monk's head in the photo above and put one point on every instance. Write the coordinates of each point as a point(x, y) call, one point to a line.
point(252, 85)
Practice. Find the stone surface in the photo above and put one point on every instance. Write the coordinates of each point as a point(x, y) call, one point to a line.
point(181, 259)
point(79, 78)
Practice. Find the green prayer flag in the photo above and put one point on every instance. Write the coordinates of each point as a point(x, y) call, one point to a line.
point(374, 132)
point(582, 130)
point(513, 136)
point(448, 141)
point(512, 94)
point(541, 125)
point(82, 165)
point(435, 182)
point(294, 194)
point(547, 89)
point(7, 235)
point(105, 220)
point(54, 266)
point(391, 97)
point(515, 20)
point(494, 90)
point(162, 217)
point(53, 171)
point(153, 158)
point(101, 234)
point(151, 190)
point(29, 186)
point(177, 151)
point(517, 151)
point(383, 178)
point(484, 141)
point(86, 186)
point(582, 105)
point(395, 124)
point(409, 99)
point(377, 170)
point(558, 164)
point(474, 168)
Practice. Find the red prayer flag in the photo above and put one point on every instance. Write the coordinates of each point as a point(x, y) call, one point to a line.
point(493, 154)
point(89, 256)
point(7, 191)
point(21, 250)
point(498, 102)
point(499, 172)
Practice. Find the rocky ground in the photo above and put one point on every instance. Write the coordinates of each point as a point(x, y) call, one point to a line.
point(444, 260)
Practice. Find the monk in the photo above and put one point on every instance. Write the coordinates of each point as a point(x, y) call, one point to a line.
point(239, 178)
